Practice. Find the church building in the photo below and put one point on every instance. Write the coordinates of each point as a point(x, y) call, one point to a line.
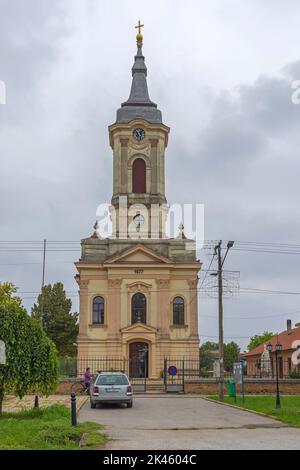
point(138, 288)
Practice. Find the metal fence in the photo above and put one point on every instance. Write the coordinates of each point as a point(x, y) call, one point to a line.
point(186, 368)
point(262, 369)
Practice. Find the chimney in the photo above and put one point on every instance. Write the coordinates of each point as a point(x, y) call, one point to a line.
point(289, 327)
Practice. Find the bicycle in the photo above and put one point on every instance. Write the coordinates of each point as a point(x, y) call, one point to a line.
point(83, 390)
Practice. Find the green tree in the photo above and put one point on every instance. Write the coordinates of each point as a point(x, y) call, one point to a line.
point(58, 322)
point(206, 358)
point(231, 354)
point(257, 340)
point(31, 362)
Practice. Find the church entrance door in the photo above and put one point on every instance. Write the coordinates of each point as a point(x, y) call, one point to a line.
point(138, 360)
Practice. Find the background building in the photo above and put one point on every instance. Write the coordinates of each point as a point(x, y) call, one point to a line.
point(290, 341)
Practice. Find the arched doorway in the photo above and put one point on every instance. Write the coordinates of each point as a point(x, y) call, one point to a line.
point(138, 308)
point(138, 360)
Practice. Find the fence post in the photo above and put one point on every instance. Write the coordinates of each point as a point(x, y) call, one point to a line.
point(36, 401)
point(73, 409)
point(183, 373)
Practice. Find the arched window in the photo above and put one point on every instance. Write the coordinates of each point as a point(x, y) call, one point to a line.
point(178, 311)
point(98, 311)
point(138, 308)
point(139, 176)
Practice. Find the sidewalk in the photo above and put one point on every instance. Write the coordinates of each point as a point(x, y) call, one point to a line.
point(14, 404)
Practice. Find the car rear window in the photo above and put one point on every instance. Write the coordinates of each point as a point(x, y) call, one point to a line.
point(112, 380)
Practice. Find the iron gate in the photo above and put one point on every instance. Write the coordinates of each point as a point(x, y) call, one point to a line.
point(174, 375)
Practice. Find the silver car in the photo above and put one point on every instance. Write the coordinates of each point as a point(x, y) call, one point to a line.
point(111, 387)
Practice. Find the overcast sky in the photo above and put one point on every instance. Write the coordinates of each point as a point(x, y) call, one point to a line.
point(221, 72)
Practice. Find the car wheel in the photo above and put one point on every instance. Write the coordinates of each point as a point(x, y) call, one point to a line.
point(93, 405)
point(129, 405)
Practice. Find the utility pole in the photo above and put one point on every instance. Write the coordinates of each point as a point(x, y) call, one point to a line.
point(36, 399)
point(218, 252)
point(43, 282)
point(221, 331)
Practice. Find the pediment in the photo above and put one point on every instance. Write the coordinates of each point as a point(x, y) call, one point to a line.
point(139, 254)
point(139, 328)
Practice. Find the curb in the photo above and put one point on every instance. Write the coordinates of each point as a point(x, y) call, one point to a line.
point(80, 406)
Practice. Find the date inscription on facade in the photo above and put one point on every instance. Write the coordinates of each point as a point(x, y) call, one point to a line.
point(138, 271)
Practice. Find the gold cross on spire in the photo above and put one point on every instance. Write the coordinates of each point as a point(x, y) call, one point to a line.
point(139, 26)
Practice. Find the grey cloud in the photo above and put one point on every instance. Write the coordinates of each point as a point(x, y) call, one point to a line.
point(234, 148)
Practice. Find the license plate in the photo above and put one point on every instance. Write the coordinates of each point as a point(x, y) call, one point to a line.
point(110, 390)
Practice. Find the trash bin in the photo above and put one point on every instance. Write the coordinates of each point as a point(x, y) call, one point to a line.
point(231, 390)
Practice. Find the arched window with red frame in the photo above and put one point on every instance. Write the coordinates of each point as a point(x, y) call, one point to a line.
point(139, 176)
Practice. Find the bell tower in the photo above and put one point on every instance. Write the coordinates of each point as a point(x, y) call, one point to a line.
point(137, 288)
point(138, 139)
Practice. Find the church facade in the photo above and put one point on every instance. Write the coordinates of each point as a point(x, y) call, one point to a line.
point(138, 288)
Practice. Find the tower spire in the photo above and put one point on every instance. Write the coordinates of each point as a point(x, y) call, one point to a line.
point(139, 104)
point(139, 36)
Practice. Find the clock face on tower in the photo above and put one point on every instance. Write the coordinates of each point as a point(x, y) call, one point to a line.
point(138, 134)
point(139, 220)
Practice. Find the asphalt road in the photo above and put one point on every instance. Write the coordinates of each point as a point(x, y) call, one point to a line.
point(188, 422)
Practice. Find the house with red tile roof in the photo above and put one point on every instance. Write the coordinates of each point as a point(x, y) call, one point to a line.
point(288, 357)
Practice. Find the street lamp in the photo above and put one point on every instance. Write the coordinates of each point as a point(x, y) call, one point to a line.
point(278, 349)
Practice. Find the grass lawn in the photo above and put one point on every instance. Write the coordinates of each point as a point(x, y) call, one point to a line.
point(289, 412)
point(47, 429)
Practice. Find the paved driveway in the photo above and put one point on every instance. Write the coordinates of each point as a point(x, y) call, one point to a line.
point(188, 422)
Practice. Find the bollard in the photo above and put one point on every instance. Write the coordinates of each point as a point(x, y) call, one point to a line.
point(36, 401)
point(73, 409)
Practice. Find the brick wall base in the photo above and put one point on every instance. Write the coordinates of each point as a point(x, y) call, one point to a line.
point(252, 386)
point(209, 387)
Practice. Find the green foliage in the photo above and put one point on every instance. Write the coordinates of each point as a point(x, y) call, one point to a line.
point(7, 297)
point(294, 375)
point(206, 358)
point(257, 340)
point(58, 322)
point(67, 366)
point(31, 362)
point(46, 429)
point(231, 354)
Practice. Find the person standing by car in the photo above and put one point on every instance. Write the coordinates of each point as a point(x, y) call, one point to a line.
point(87, 378)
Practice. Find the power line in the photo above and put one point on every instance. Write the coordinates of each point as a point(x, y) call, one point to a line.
point(207, 271)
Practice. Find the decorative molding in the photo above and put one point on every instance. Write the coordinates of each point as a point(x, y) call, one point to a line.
point(124, 141)
point(139, 287)
point(192, 283)
point(153, 142)
point(178, 327)
point(83, 283)
point(138, 148)
point(163, 283)
point(133, 156)
point(114, 283)
point(121, 257)
point(97, 325)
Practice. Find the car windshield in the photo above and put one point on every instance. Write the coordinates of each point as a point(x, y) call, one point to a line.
point(112, 380)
